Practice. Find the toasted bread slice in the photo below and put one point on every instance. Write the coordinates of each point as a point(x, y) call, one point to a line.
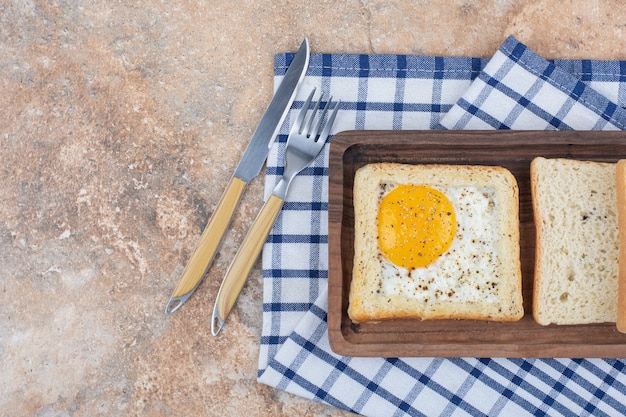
point(577, 242)
point(479, 275)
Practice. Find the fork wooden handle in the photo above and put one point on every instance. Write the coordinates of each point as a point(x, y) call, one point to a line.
point(209, 243)
point(243, 262)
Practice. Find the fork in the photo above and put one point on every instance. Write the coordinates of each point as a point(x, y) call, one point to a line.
point(304, 143)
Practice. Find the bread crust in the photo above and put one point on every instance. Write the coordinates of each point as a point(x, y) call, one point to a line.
point(620, 185)
point(539, 232)
point(575, 222)
point(366, 305)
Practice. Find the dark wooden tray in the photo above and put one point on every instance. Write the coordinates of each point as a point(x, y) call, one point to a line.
point(455, 338)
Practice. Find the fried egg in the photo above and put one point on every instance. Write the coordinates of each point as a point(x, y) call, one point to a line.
point(416, 224)
point(436, 242)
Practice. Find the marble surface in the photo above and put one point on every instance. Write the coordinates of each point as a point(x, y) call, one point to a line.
point(120, 125)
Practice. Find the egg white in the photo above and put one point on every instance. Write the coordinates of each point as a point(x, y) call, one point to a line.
point(468, 270)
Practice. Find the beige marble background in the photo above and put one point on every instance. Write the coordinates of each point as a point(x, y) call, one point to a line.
point(120, 125)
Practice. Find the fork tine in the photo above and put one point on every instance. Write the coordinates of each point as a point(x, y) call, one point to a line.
point(299, 123)
point(309, 121)
point(321, 118)
point(329, 124)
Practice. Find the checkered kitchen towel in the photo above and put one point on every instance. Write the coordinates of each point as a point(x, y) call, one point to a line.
point(516, 89)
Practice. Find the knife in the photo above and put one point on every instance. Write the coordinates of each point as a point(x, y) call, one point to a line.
point(249, 167)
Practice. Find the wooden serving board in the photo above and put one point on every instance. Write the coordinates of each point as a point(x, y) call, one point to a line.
point(513, 150)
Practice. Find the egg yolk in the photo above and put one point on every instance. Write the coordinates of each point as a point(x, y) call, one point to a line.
point(416, 224)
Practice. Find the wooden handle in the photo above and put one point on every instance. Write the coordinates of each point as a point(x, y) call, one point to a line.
point(244, 260)
point(209, 243)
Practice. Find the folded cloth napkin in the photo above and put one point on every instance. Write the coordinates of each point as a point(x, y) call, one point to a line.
point(516, 89)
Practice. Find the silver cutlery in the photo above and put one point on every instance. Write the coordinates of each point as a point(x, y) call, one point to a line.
point(304, 143)
point(249, 167)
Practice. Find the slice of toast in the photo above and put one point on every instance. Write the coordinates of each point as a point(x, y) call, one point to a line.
point(577, 241)
point(478, 277)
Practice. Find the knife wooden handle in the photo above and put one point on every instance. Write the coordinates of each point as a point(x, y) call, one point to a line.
point(209, 243)
point(243, 262)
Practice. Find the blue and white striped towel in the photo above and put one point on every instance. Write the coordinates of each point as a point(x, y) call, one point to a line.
point(516, 89)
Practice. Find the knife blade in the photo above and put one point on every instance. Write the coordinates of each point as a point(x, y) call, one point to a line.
point(249, 167)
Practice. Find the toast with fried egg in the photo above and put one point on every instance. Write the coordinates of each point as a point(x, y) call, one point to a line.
point(472, 274)
point(577, 241)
